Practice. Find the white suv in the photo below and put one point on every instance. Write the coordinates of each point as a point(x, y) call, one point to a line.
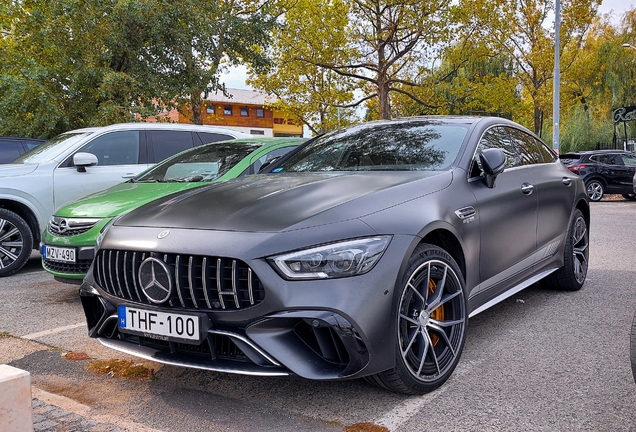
point(77, 163)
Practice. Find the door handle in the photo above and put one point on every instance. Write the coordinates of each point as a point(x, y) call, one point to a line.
point(567, 181)
point(527, 188)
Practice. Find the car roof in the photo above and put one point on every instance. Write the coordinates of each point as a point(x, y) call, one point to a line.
point(162, 126)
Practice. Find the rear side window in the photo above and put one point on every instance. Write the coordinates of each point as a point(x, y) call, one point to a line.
point(115, 148)
point(9, 151)
point(168, 142)
point(207, 137)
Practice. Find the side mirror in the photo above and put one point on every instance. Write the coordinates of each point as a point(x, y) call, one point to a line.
point(493, 162)
point(83, 160)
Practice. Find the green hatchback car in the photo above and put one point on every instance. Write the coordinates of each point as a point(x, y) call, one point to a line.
point(68, 241)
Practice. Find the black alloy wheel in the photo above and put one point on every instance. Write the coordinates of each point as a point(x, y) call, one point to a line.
point(595, 190)
point(572, 275)
point(16, 242)
point(431, 323)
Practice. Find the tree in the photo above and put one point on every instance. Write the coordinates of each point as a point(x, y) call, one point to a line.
point(522, 30)
point(380, 47)
point(77, 63)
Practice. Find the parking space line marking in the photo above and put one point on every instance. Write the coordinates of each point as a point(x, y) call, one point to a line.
point(53, 331)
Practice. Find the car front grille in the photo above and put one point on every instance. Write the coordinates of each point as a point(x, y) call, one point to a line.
point(200, 282)
point(80, 267)
point(64, 227)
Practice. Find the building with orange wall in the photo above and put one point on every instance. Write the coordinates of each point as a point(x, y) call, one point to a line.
point(245, 111)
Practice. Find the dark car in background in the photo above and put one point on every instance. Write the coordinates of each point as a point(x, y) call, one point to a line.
point(604, 171)
point(360, 254)
point(12, 147)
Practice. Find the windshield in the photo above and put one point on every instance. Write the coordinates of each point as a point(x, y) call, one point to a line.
point(50, 149)
point(201, 164)
point(412, 146)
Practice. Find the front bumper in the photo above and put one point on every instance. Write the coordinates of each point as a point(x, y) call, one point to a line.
point(319, 329)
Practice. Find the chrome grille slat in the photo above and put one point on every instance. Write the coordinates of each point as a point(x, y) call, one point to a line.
point(218, 282)
point(236, 300)
point(190, 280)
point(204, 282)
point(232, 285)
point(177, 265)
point(126, 274)
point(250, 288)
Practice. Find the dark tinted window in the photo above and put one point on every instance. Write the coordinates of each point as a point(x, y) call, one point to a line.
point(391, 147)
point(9, 151)
point(207, 137)
point(605, 159)
point(168, 142)
point(527, 147)
point(115, 148)
point(498, 137)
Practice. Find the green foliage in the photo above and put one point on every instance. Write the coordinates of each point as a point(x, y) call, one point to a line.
point(76, 63)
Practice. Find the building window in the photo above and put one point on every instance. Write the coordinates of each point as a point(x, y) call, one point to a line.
point(257, 132)
point(244, 112)
point(227, 110)
point(260, 112)
point(209, 109)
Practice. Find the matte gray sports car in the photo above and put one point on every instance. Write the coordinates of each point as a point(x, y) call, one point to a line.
point(361, 254)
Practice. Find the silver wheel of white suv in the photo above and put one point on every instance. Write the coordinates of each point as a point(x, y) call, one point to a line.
point(16, 242)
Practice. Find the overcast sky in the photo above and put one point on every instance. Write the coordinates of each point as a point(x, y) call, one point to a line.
point(235, 78)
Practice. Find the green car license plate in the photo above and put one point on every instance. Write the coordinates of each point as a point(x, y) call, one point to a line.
point(59, 254)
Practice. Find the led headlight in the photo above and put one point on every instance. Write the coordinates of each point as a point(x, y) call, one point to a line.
point(102, 233)
point(342, 259)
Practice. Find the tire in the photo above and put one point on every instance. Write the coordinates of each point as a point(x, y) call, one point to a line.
point(572, 275)
point(629, 196)
point(16, 242)
point(431, 323)
point(633, 347)
point(595, 190)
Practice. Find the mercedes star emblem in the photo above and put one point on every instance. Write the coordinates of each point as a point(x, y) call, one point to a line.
point(155, 280)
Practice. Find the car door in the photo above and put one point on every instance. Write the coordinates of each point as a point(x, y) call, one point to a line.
point(626, 164)
point(553, 186)
point(507, 215)
point(118, 154)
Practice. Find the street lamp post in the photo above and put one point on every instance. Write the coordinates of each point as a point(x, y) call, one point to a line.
point(557, 76)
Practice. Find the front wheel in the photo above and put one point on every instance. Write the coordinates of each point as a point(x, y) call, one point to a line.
point(431, 323)
point(572, 275)
point(16, 242)
point(595, 190)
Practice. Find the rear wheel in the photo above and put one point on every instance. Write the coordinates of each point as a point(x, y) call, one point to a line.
point(572, 275)
point(16, 242)
point(595, 190)
point(629, 196)
point(431, 324)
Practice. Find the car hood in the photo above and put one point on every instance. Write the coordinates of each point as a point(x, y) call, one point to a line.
point(120, 198)
point(281, 202)
point(15, 170)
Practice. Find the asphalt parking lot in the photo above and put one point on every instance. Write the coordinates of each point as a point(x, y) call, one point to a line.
point(540, 360)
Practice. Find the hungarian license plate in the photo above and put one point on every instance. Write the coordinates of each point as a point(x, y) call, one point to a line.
point(154, 323)
point(59, 254)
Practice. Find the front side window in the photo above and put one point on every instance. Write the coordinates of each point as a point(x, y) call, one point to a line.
point(496, 137)
point(202, 164)
point(421, 146)
point(115, 148)
point(629, 160)
point(527, 147)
